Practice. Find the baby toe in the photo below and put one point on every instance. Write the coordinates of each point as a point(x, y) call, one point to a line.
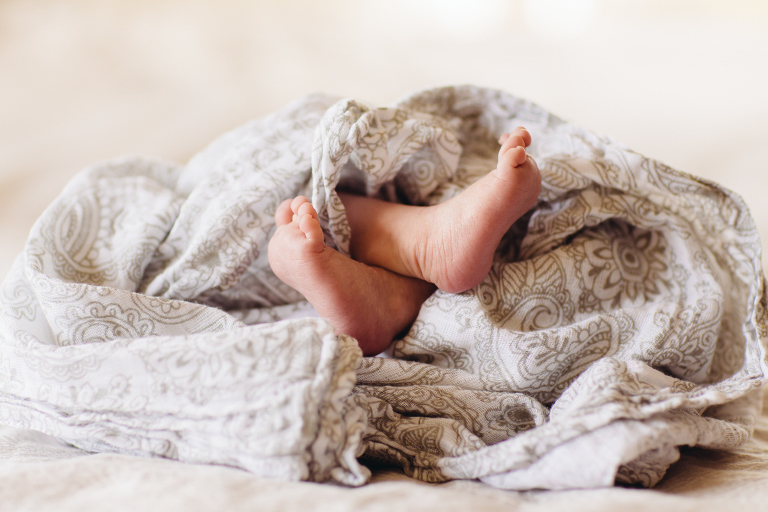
point(524, 136)
point(519, 155)
point(513, 157)
point(514, 141)
point(297, 202)
point(311, 228)
point(306, 209)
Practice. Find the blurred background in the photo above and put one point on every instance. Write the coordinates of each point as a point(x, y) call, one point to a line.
point(683, 81)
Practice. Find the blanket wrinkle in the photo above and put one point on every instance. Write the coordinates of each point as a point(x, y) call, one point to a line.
point(623, 317)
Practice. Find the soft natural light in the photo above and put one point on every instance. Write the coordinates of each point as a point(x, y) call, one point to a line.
point(458, 19)
point(461, 15)
point(559, 18)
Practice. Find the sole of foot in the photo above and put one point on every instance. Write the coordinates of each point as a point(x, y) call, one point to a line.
point(450, 244)
point(370, 304)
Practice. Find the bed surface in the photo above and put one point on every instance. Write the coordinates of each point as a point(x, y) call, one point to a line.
point(701, 481)
point(87, 81)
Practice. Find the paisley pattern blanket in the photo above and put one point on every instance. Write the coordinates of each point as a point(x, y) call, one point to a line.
point(624, 316)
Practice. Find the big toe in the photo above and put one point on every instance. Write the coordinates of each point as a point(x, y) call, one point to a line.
point(283, 215)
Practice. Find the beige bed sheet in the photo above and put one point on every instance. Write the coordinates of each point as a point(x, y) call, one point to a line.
point(702, 481)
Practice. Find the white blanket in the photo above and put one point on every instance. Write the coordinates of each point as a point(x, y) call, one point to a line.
point(623, 317)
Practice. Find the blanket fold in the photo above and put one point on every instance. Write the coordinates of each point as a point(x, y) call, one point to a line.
point(624, 315)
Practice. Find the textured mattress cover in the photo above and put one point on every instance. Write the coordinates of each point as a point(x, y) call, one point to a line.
point(624, 317)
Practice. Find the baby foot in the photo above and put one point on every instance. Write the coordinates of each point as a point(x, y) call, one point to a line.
point(450, 244)
point(370, 304)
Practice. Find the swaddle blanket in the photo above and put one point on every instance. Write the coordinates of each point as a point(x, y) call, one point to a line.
point(624, 316)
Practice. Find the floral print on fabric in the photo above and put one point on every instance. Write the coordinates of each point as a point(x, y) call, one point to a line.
point(624, 315)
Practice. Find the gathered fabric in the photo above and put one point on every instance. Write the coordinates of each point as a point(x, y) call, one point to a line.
point(624, 315)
